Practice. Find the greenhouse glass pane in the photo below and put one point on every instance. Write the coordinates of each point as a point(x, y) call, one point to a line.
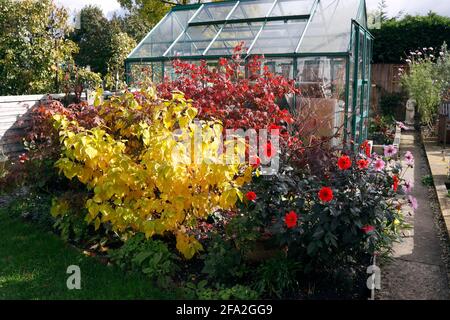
point(160, 38)
point(321, 81)
point(214, 12)
point(292, 8)
point(233, 34)
point(330, 27)
point(280, 66)
point(139, 73)
point(362, 18)
point(194, 41)
point(360, 87)
point(279, 37)
point(351, 85)
point(252, 9)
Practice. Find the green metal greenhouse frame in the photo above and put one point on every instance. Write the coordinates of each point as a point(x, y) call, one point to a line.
point(323, 44)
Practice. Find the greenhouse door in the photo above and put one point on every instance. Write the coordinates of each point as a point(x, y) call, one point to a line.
point(361, 51)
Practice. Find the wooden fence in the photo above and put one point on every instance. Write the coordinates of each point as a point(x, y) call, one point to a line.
point(385, 79)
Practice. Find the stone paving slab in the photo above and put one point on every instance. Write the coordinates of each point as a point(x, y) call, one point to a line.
point(418, 270)
point(439, 169)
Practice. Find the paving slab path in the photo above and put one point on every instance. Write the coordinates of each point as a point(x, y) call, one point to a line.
point(418, 270)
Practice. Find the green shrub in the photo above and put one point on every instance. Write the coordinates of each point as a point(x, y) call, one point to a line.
point(278, 276)
point(150, 257)
point(202, 291)
point(392, 105)
point(69, 214)
point(223, 261)
point(33, 207)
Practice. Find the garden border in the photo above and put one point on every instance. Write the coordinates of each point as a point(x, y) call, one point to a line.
point(439, 170)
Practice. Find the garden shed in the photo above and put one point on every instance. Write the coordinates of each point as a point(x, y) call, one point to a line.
point(323, 44)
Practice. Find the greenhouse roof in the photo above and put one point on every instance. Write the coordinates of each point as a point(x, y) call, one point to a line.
point(263, 26)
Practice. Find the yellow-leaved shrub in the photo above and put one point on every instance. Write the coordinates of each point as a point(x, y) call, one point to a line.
point(141, 177)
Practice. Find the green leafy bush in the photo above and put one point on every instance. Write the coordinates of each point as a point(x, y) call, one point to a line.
point(340, 217)
point(393, 104)
point(69, 214)
point(34, 207)
point(202, 291)
point(278, 276)
point(151, 257)
point(222, 262)
point(427, 80)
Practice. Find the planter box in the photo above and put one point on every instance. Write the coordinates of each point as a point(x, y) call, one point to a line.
point(379, 149)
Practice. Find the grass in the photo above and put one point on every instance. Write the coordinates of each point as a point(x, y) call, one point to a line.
point(33, 265)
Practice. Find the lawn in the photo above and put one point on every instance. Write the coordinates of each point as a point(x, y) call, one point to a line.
point(33, 265)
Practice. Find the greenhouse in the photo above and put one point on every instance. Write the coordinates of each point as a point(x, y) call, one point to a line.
point(323, 44)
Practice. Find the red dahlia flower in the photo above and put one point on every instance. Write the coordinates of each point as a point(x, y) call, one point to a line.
point(290, 219)
point(326, 194)
point(344, 162)
point(251, 196)
point(368, 228)
point(363, 164)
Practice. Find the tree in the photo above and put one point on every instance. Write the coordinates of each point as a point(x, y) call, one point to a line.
point(150, 11)
point(382, 11)
point(398, 37)
point(93, 38)
point(377, 17)
point(133, 24)
point(121, 44)
point(32, 46)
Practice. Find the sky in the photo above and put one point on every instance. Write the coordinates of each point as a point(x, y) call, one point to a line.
point(422, 7)
point(394, 6)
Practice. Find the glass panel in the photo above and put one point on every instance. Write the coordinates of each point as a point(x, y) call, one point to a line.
point(232, 35)
point(169, 72)
point(330, 27)
point(139, 73)
point(282, 67)
point(321, 103)
point(279, 37)
point(252, 9)
point(360, 88)
point(292, 8)
point(351, 85)
point(214, 12)
point(362, 18)
point(194, 41)
point(160, 38)
point(366, 97)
